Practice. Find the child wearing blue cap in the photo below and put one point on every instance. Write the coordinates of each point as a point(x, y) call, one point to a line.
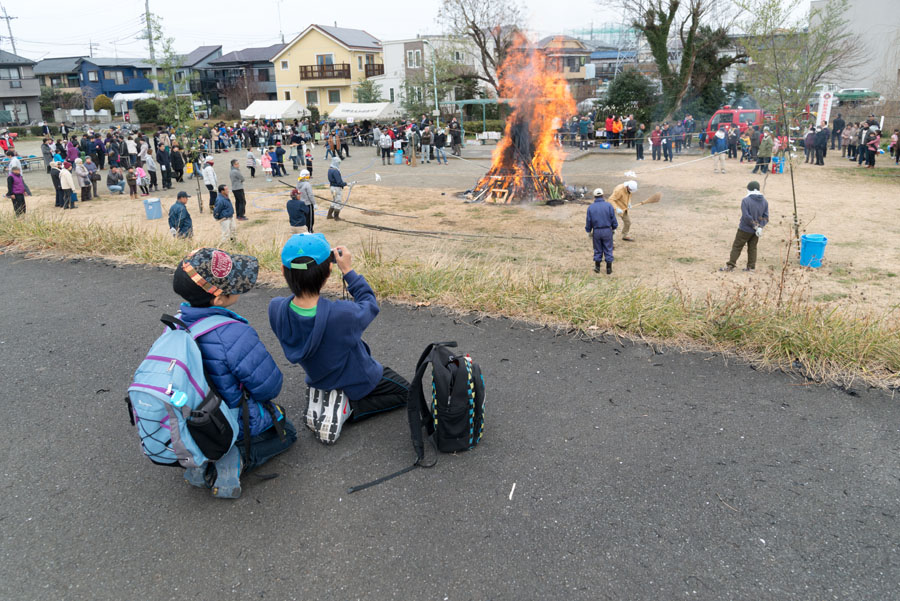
point(325, 338)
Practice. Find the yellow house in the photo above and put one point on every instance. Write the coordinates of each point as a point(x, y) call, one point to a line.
point(322, 66)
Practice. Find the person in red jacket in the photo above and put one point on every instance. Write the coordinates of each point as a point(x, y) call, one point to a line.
point(656, 143)
point(609, 129)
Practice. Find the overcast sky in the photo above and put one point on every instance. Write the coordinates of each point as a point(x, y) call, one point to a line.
point(237, 24)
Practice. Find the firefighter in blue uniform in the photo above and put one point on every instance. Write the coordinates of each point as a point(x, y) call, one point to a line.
point(600, 224)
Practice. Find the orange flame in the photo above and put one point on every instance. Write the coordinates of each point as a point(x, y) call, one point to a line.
point(540, 100)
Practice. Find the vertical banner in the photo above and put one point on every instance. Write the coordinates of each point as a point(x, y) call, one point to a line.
point(826, 101)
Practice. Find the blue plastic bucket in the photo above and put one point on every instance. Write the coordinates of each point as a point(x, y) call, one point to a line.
point(398, 157)
point(812, 249)
point(153, 208)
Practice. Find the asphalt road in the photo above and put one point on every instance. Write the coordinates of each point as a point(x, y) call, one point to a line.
point(638, 475)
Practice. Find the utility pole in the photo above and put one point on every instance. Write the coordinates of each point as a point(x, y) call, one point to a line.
point(437, 108)
point(7, 18)
point(150, 42)
point(280, 31)
point(91, 45)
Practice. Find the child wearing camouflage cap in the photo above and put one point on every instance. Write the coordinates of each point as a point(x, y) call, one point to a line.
point(235, 361)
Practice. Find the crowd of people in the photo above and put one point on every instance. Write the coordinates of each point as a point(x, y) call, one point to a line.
point(140, 163)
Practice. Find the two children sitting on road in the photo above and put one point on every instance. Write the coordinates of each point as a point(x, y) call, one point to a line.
point(323, 336)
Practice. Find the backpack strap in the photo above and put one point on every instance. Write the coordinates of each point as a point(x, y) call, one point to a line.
point(206, 325)
point(199, 327)
point(245, 413)
point(416, 407)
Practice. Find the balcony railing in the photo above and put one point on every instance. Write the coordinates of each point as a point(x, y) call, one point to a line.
point(338, 71)
point(373, 70)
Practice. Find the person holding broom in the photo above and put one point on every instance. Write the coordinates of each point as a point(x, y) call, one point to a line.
point(620, 199)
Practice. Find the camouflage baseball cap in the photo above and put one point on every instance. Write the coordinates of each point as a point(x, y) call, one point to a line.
point(217, 272)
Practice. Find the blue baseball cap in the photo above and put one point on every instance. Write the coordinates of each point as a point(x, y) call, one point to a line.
point(314, 246)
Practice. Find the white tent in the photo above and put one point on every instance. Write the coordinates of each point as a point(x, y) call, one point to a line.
point(274, 109)
point(358, 111)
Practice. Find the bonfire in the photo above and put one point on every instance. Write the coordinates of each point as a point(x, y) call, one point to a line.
point(526, 164)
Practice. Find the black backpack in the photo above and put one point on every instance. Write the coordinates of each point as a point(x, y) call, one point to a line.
point(453, 416)
point(454, 413)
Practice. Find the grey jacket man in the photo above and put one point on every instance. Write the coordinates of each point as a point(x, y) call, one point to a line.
point(237, 179)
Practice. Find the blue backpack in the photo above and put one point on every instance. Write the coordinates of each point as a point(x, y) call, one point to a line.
point(180, 418)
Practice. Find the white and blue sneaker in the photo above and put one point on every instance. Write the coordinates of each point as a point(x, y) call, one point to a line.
point(228, 475)
point(201, 477)
point(335, 411)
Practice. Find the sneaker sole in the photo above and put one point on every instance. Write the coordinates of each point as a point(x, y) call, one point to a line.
point(227, 492)
point(331, 424)
point(228, 479)
point(196, 476)
point(314, 410)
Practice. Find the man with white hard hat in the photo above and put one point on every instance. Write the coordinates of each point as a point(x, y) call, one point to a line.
point(620, 199)
point(600, 224)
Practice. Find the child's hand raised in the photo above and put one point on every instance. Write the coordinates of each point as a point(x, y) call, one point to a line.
point(343, 259)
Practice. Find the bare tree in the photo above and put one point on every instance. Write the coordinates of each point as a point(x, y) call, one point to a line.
point(790, 58)
point(889, 80)
point(490, 25)
point(239, 91)
point(666, 24)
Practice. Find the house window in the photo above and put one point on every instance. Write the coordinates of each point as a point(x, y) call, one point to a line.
point(334, 96)
point(262, 75)
point(19, 111)
point(370, 59)
point(179, 76)
point(284, 65)
point(392, 94)
point(15, 83)
point(287, 95)
point(418, 58)
point(359, 62)
point(9, 73)
point(324, 59)
point(312, 97)
point(457, 56)
point(413, 59)
point(55, 82)
point(116, 76)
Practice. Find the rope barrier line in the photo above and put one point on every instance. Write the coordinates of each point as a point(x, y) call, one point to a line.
point(431, 233)
point(709, 156)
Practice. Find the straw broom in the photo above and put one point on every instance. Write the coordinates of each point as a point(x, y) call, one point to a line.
point(652, 200)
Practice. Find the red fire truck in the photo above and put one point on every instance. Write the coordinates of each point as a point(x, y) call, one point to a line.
point(735, 117)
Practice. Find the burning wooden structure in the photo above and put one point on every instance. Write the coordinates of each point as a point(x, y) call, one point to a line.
point(525, 166)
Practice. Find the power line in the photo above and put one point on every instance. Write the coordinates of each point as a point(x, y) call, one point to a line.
point(85, 43)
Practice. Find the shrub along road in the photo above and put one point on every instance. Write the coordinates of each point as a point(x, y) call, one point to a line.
point(638, 474)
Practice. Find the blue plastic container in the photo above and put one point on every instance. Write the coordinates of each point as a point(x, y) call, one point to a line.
point(812, 249)
point(153, 208)
point(398, 157)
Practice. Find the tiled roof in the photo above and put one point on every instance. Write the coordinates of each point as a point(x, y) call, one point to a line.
point(249, 55)
point(68, 64)
point(198, 55)
point(8, 58)
point(355, 38)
